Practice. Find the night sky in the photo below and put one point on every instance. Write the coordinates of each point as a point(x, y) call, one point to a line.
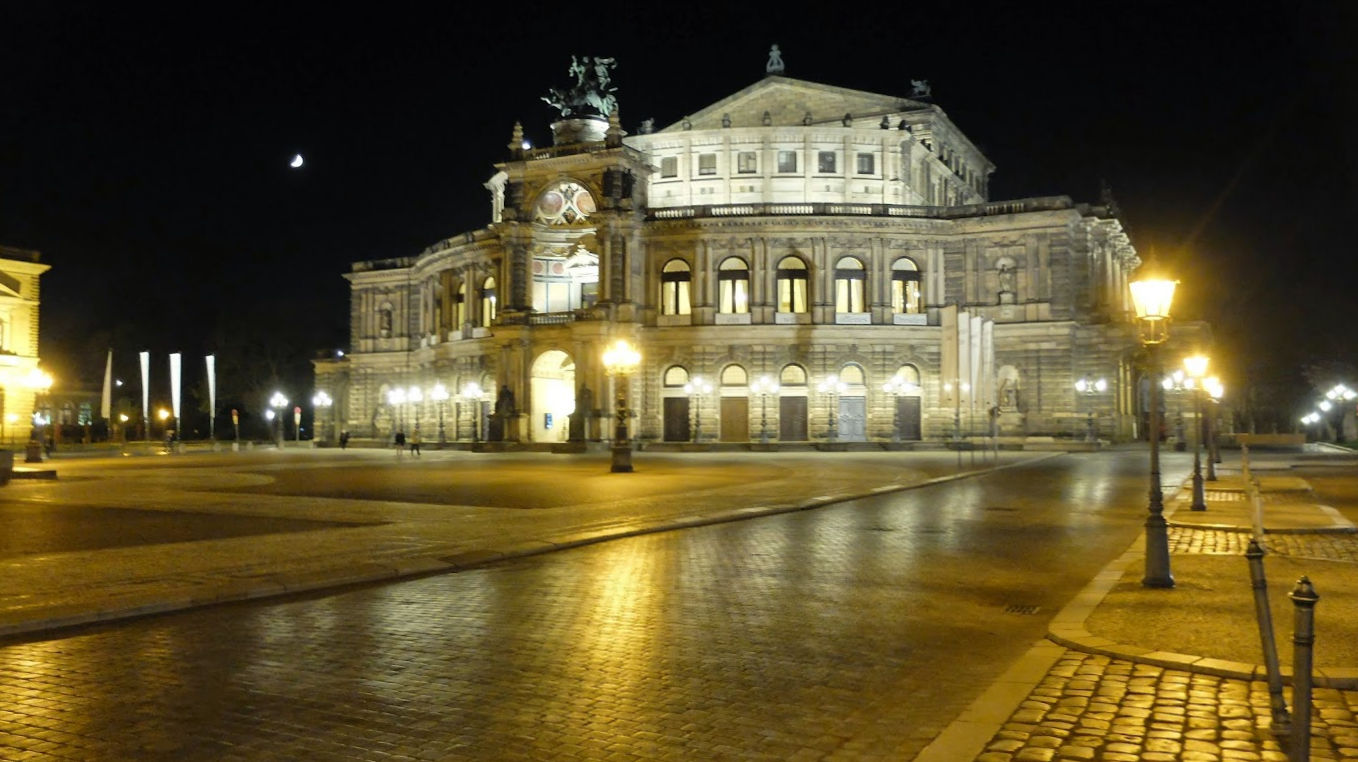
point(144, 153)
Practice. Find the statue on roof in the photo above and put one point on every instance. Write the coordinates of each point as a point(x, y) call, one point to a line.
point(775, 64)
point(593, 91)
point(919, 88)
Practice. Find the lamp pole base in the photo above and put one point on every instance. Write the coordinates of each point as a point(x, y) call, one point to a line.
point(622, 459)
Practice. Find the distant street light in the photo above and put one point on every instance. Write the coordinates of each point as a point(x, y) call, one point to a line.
point(831, 387)
point(439, 394)
point(696, 389)
point(1088, 388)
point(1196, 366)
point(764, 387)
point(397, 398)
point(415, 396)
point(278, 402)
point(621, 361)
point(1215, 391)
point(1151, 299)
point(471, 391)
point(321, 401)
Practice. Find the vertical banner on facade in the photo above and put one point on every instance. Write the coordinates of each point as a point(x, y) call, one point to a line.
point(174, 389)
point(964, 374)
point(106, 400)
point(988, 397)
point(211, 396)
point(146, 392)
point(948, 368)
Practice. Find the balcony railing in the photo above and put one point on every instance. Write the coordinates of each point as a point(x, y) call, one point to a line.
point(778, 209)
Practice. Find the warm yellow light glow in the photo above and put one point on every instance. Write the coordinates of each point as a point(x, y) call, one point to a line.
point(122, 417)
point(439, 393)
point(1152, 298)
point(1196, 365)
point(162, 413)
point(621, 359)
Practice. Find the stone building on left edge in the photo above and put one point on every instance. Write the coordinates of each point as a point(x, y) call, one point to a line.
point(21, 380)
point(836, 243)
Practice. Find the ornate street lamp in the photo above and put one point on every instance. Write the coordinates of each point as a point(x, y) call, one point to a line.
point(696, 389)
point(439, 394)
point(397, 398)
point(1088, 387)
point(832, 388)
point(1215, 391)
point(1151, 299)
point(765, 387)
point(321, 401)
point(471, 392)
point(278, 402)
point(621, 361)
point(415, 396)
point(1196, 366)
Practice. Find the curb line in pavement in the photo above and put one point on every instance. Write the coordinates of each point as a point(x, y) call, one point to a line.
point(283, 584)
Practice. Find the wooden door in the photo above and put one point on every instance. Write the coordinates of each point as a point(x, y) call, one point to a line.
point(676, 420)
point(735, 419)
point(908, 408)
point(792, 419)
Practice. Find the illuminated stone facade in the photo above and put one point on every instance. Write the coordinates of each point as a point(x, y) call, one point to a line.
point(20, 296)
point(790, 232)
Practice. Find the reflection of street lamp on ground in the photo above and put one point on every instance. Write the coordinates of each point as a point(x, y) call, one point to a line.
point(1088, 388)
point(1196, 366)
point(278, 402)
point(471, 392)
point(765, 387)
point(321, 402)
point(1152, 299)
point(439, 394)
point(695, 390)
point(898, 387)
point(832, 387)
point(621, 360)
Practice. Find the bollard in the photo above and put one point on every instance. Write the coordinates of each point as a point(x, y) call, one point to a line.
point(1264, 615)
point(1304, 600)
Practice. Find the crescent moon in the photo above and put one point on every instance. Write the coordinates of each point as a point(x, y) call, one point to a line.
point(296, 161)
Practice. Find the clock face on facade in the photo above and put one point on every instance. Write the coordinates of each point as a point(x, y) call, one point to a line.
point(566, 203)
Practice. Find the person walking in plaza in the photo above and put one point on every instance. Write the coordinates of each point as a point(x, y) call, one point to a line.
point(400, 441)
point(415, 442)
point(344, 439)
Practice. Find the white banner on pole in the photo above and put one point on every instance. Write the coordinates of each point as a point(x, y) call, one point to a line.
point(146, 392)
point(211, 396)
point(106, 401)
point(174, 387)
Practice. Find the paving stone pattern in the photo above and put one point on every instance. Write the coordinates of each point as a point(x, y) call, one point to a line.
point(1327, 547)
point(1092, 707)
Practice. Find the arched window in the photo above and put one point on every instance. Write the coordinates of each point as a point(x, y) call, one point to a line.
point(850, 286)
point(488, 302)
point(733, 286)
point(734, 375)
point(906, 381)
point(792, 285)
point(675, 281)
point(675, 375)
point(907, 298)
point(851, 375)
point(792, 375)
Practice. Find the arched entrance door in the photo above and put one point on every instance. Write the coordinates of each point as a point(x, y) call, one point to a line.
point(553, 392)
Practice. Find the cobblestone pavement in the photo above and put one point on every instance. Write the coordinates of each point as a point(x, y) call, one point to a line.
point(1091, 707)
point(1328, 547)
point(854, 632)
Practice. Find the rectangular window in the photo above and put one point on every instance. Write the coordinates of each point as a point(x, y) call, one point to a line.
point(746, 163)
point(866, 165)
point(792, 295)
point(733, 296)
point(669, 167)
point(674, 298)
point(825, 162)
point(787, 161)
point(707, 164)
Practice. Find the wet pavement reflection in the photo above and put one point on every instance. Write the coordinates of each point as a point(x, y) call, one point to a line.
point(851, 632)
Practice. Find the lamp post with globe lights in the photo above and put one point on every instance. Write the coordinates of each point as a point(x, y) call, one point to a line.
point(764, 387)
point(1088, 387)
point(415, 395)
point(1152, 298)
point(321, 401)
point(1212, 386)
point(621, 360)
point(277, 403)
point(439, 394)
point(1196, 367)
point(831, 387)
point(471, 392)
point(696, 389)
point(397, 399)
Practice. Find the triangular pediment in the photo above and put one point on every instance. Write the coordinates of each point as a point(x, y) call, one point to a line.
point(788, 101)
point(9, 285)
